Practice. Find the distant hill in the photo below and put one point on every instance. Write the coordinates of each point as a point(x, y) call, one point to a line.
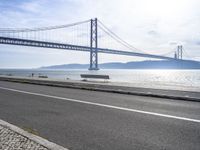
point(162, 64)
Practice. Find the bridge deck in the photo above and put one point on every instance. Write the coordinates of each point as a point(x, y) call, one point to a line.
point(44, 44)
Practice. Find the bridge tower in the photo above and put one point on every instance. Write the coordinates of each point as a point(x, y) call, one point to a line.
point(93, 45)
point(180, 52)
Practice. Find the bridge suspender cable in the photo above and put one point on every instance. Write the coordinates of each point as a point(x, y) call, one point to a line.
point(117, 38)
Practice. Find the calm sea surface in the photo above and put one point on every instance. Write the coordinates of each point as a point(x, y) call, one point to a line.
point(170, 79)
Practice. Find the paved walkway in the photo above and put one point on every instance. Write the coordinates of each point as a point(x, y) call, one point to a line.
point(14, 138)
point(10, 140)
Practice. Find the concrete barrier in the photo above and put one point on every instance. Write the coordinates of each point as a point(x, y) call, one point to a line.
point(159, 93)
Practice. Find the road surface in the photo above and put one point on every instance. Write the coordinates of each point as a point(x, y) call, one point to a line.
point(89, 120)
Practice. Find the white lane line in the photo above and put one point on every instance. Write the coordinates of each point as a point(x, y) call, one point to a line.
point(104, 105)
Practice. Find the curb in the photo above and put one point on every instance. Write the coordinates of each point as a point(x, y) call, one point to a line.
point(94, 87)
point(37, 139)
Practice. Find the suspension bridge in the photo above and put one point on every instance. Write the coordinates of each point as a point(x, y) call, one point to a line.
point(87, 36)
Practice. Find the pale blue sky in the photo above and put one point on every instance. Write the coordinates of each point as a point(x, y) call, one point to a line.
point(154, 26)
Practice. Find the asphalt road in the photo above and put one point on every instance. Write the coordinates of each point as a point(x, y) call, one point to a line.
point(89, 120)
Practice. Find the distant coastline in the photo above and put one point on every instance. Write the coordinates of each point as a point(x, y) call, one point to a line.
point(162, 64)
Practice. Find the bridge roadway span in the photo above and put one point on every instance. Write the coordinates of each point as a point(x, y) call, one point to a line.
point(90, 120)
point(43, 44)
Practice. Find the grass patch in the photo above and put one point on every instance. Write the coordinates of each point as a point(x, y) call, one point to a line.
point(30, 130)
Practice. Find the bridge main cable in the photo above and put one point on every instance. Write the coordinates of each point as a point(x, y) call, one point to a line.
point(41, 28)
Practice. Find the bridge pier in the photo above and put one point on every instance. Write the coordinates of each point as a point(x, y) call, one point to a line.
point(93, 45)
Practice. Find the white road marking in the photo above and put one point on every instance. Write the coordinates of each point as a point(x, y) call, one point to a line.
point(104, 105)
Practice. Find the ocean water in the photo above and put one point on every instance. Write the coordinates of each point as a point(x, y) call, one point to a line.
point(165, 79)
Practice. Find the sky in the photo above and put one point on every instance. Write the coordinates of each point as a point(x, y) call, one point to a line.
point(153, 26)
